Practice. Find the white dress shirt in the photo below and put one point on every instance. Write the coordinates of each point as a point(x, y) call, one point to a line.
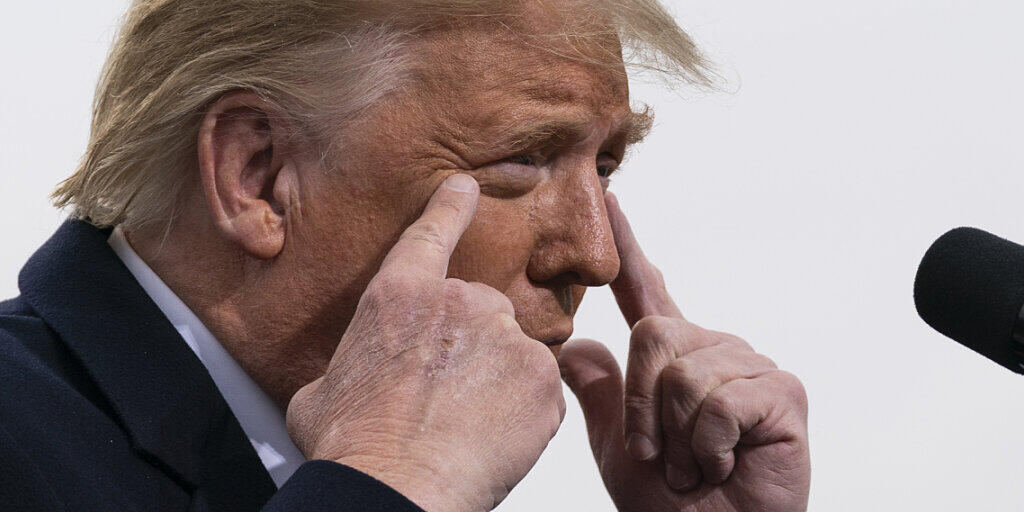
point(259, 416)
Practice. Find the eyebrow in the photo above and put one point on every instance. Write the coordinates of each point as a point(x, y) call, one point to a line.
point(567, 130)
point(638, 125)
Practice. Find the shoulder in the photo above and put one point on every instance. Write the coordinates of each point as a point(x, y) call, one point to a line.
point(26, 341)
point(36, 366)
point(24, 335)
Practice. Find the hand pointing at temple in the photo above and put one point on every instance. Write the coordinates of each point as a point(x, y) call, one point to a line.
point(701, 421)
point(430, 374)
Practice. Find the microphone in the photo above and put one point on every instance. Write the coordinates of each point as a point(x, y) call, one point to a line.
point(970, 287)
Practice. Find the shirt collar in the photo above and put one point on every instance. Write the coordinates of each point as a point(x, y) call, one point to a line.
point(156, 388)
point(260, 418)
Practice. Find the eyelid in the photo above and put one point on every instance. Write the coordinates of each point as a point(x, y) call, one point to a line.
point(538, 158)
point(505, 179)
point(609, 161)
point(609, 158)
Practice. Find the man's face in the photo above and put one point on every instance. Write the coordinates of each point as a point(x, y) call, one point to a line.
point(539, 133)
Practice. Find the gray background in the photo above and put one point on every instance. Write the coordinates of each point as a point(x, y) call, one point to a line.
point(791, 211)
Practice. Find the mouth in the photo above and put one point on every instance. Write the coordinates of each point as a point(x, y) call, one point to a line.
point(554, 341)
point(552, 331)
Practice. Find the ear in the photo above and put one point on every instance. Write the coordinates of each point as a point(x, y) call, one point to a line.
point(241, 163)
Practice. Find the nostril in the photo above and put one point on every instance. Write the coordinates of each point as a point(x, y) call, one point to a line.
point(579, 271)
point(570, 277)
point(566, 278)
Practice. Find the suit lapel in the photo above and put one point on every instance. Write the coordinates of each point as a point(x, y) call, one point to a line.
point(158, 388)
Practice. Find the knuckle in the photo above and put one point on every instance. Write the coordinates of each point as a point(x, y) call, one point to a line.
point(428, 232)
point(795, 390)
point(457, 291)
point(718, 405)
point(378, 293)
point(388, 285)
point(655, 276)
point(545, 363)
point(684, 371)
point(505, 322)
point(683, 374)
point(684, 383)
point(648, 326)
point(507, 307)
point(552, 380)
point(725, 338)
point(503, 302)
point(531, 352)
point(538, 361)
point(494, 297)
point(637, 405)
point(652, 330)
point(695, 335)
point(707, 451)
point(764, 361)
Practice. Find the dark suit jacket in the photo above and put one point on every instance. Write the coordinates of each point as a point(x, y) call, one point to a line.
point(104, 407)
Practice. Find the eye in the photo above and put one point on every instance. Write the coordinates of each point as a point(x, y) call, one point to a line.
point(522, 160)
point(511, 176)
point(606, 165)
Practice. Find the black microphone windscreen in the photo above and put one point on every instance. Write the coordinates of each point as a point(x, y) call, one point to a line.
point(970, 287)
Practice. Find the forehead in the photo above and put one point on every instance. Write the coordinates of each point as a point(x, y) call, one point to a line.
point(497, 66)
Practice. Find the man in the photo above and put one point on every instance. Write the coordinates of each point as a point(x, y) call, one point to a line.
point(323, 252)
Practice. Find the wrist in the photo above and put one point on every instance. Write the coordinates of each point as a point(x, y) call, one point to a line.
point(421, 486)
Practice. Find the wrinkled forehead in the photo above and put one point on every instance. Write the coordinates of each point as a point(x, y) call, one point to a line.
point(545, 61)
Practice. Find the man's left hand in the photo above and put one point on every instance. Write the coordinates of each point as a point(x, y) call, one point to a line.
point(702, 422)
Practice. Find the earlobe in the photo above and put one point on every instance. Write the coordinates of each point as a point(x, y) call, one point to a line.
point(242, 168)
point(259, 231)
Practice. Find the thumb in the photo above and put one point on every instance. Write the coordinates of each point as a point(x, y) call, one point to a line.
point(594, 377)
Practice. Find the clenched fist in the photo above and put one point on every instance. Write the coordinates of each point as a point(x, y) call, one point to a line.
point(701, 422)
point(434, 389)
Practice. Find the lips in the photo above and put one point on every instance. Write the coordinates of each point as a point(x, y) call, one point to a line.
point(556, 338)
point(542, 318)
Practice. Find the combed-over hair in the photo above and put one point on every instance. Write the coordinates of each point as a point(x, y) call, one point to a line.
point(321, 61)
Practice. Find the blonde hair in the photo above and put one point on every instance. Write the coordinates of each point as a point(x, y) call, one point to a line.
point(320, 60)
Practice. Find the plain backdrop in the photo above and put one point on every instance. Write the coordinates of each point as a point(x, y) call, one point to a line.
point(791, 209)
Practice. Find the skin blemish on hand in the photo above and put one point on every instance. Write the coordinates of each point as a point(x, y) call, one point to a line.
point(444, 358)
point(446, 345)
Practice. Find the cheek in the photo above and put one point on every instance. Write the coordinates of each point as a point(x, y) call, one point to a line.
point(346, 227)
point(496, 247)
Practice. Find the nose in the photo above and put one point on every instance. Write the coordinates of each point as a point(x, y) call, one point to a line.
point(576, 245)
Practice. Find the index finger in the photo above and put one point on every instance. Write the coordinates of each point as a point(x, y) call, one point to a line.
point(425, 246)
point(639, 288)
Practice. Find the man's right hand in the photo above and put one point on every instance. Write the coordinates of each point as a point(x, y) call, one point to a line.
point(434, 389)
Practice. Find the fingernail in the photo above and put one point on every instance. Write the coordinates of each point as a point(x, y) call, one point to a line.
point(639, 447)
point(461, 182)
point(678, 479)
